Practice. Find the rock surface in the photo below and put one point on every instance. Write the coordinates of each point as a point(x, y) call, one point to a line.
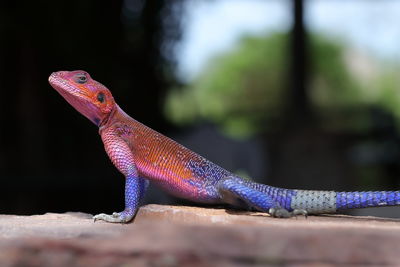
point(179, 235)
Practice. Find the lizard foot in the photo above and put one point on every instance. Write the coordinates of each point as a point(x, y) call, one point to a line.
point(116, 217)
point(300, 212)
point(283, 213)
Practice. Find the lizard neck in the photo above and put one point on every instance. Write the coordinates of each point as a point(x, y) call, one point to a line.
point(110, 119)
point(116, 115)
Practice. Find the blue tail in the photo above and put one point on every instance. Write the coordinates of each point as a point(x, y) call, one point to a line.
point(239, 192)
point(356, 200)
point(316, 202)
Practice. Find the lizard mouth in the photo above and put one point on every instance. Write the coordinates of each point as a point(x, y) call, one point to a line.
point(75, 96)
point(63, 86)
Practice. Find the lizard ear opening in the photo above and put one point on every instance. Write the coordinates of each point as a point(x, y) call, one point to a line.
point(101, 97)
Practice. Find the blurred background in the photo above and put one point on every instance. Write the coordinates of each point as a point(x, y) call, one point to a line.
point(298, 94)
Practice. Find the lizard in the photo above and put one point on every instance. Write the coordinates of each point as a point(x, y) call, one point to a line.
point(142, 155)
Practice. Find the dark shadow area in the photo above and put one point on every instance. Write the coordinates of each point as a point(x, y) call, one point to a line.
point(51, 158)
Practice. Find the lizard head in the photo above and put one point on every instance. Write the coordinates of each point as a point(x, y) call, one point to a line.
point(89, 97)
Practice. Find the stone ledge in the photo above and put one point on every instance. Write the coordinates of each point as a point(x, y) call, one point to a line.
point(176, 235)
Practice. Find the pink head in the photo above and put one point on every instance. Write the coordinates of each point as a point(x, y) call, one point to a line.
point(89, 97)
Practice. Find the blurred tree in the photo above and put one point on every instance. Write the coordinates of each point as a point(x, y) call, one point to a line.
point(238, 89)
point(242, 90)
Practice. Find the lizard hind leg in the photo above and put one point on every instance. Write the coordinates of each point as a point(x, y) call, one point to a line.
point(246, 194)
point(238, 193)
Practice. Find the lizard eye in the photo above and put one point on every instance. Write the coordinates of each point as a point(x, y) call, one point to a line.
point(81, 78)
point(100, 97)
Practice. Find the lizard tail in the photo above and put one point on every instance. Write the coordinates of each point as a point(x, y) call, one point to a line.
point(264, 197)
point(356, 200)
point(330, 201)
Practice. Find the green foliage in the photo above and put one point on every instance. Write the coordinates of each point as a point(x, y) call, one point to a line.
point(387, 85)
point(237, 90)
point(244, 90)
point(332, 85)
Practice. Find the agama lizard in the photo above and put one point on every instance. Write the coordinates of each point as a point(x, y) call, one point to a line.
point(142, 155)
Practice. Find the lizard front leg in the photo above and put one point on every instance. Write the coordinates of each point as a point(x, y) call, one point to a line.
point(135, 186)
point(134, 192)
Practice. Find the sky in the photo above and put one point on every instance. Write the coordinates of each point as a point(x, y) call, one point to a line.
point(212, 26)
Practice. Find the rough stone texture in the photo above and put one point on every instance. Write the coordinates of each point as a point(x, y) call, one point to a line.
point(176, 236)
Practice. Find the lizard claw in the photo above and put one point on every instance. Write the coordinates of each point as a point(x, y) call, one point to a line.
point(284, 213)
point(300, 212)
point(116, 217)
point(279, 213)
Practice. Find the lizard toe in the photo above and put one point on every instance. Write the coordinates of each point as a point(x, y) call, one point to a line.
point(284, 213)
point(114, 218)
point(279, 213)
point(300, 212)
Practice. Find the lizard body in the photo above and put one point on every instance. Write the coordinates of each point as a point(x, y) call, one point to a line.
point(142, 155)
